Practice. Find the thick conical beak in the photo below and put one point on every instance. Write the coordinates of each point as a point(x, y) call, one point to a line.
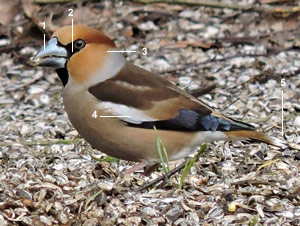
point(53, 55)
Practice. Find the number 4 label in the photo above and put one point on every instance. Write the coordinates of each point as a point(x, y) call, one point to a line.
point(94, 115)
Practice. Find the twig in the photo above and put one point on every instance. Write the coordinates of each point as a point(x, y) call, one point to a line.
point(52, 1)
point(16, 47)
point(40, 142)
point(230, 104)
point(163, 177)
point(218, 4)
point(9, 48)
point(213, 4)
point(272, 52)
point(247, 39)
point(252, 182)
point(204, 90)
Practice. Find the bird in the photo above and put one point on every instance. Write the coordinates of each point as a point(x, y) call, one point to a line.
point(115, 105)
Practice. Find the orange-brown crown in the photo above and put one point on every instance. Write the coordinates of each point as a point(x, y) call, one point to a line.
point(89, 35)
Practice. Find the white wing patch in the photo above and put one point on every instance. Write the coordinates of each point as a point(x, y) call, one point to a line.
point(131, 86)
point(125, 113)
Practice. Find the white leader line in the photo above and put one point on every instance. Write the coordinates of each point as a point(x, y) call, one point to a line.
point(282, 112)
point(121, 51)
point(44, 41)
point(72, 34)
point(114, 116)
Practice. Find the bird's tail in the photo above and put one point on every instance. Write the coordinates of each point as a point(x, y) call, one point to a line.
point(254, 135)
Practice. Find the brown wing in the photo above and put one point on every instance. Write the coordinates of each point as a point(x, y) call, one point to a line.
point(167, 106)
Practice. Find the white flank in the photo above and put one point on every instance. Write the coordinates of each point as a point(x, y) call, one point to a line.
point(201, 138)
point(133, 115)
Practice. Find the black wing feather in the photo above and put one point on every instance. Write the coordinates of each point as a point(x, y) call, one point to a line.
point(193, 120)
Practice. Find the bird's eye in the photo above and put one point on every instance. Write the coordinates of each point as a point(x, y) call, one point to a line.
point(79, 44)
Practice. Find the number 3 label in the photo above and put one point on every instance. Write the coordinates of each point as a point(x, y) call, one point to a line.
point(145, 51)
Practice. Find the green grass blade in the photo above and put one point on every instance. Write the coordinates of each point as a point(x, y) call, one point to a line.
point(189, 164)
point(74, 141)
point(92, 198)
point(162, 152)
point(106, 159)
point(254, 221)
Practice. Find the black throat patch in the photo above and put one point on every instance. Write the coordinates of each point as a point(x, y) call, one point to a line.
point(63, 75)
point(63, 72)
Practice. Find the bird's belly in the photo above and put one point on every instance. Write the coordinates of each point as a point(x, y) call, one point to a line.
point(115, 138)
point(103, 133)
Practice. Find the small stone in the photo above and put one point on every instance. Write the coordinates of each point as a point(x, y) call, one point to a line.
point(297, 211)
point(286, 214)
point(44, 99)
point(28, 50)
point(106, 186)
point(62, 217)
point(101, 199)
point(243, 78)
point(23, 194)
point(162, 63)
point(271, 83)
point(25, 130)
point(45, 220)
point(211, 32)
point(150, 211)
point(295, 222)
point(148, 26)
point(229, 197)
point(189, 14)
point(4, 42)
point(297, 157)
point(35, 90)
point(297, 121)
point(132, 221)
point(216, 213)
point(260, 155)
point(184, 81)
point(174, 213)
point(193, 87)
point(196, 26)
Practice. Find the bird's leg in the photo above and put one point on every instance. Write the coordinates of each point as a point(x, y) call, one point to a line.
point(147, 172)
point(135, 168)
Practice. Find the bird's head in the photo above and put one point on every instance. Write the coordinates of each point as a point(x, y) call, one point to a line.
point(88, 58)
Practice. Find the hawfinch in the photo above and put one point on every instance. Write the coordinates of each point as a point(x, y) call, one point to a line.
point(115, 105)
